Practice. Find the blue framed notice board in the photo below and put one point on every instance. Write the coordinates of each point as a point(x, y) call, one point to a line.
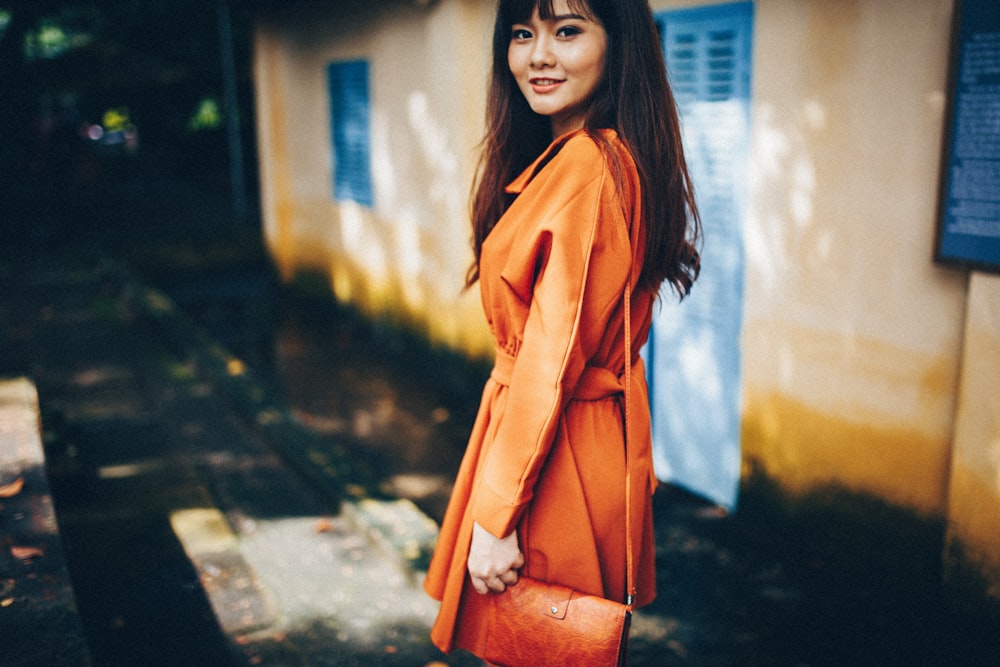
point(969, 216)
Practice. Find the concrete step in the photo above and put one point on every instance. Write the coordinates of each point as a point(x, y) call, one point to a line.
point(39, 622)
point(300, 581)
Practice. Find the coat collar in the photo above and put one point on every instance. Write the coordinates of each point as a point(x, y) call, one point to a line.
point(518, 185)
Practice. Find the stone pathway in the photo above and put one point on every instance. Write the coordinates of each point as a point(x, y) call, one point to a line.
point(194, 540)
point(207, 522)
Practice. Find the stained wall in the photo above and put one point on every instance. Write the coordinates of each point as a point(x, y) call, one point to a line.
point(865, 364)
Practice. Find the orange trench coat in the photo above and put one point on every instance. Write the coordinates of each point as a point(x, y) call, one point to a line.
point(546, 453)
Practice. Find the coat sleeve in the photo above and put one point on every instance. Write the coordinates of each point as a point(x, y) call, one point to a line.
point(570, 267)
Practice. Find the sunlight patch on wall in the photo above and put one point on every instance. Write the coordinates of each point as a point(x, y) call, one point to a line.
point(358, 240)
point(409, 260)
point(800, 203)
point(764, 242)
point(444, 253)
point(341, 282)
point(384, 178)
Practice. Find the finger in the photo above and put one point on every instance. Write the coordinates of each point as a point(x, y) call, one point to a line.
point(509, 577)
point(496, 585)
point(518, 562)
point(480, 586)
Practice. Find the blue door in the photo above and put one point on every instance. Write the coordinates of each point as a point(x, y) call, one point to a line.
point(693, 357)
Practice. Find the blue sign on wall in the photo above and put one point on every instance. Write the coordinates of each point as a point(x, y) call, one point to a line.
point(969, 219)
point(693, 356)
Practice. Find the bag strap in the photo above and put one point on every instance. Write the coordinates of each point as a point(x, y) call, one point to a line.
point(629, 562)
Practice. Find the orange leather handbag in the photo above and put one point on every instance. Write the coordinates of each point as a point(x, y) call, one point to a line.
point(537, 624)
point(540, 624)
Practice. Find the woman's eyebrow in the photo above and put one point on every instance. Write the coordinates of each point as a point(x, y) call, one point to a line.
point(566, 17)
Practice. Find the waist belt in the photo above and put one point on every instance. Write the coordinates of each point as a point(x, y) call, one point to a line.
point(595, 383)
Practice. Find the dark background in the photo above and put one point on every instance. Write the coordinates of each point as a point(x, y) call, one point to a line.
point(64, 64)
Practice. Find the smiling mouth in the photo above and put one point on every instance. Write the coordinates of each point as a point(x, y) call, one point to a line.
point(545, 85)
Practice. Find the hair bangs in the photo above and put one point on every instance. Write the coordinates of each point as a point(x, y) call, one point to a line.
point(519, 11)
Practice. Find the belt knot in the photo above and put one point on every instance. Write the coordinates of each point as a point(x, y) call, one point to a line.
point(595, 383)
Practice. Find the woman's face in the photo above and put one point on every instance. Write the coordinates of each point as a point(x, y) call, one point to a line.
point(558, 64)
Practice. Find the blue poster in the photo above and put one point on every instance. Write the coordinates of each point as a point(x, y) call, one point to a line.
point(969, 221)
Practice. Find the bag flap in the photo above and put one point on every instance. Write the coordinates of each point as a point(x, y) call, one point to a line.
point(556, 602)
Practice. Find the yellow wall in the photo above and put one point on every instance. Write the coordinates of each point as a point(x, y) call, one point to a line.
point(852, 340)
point(407, 258)
point(852, 335)
point(975, 476)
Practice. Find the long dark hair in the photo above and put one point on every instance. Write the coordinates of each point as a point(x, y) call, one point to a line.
point(634, 99)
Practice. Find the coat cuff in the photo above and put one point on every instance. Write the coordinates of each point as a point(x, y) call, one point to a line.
point(493, 513)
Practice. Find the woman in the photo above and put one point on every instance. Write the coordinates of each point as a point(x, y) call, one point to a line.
point(583, 127)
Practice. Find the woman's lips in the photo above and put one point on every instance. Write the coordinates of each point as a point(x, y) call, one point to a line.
point(542, 86)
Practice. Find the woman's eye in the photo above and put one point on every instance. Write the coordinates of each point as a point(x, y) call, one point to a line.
point(520, 33)
point(568, 31)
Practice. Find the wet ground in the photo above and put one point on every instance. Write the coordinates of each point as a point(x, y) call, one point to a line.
point(156, 433)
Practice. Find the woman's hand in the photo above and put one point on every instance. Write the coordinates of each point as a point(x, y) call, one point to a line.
point(493, 562)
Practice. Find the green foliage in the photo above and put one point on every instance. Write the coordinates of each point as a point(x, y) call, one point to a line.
point(4, 21)
point(116, 119)
point(59, 33)
point(208, 115)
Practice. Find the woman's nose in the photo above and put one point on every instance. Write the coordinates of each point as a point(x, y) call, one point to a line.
point(541, 53)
